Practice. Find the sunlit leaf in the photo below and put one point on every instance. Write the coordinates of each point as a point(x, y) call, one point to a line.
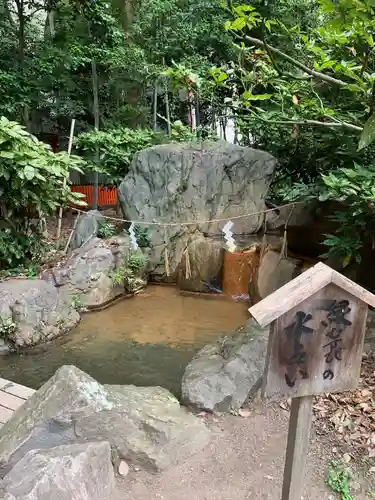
point(346, 261)
point(238, 24)
point(368, 133)
point(29, 172)
point(255, 97)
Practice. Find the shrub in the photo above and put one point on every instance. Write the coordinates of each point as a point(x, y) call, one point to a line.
point(31, 187)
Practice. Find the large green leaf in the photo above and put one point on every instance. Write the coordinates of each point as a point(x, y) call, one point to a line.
point(29, 172)
point(368, 133)
point(255, 97)
point(238, 24)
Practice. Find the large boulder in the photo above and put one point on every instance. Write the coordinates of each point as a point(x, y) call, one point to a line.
point(222, 375)
point(202, 263)
point(75, 472)
point(144, 425)
point(192, 182)
point(87, 275)
point(39, 311)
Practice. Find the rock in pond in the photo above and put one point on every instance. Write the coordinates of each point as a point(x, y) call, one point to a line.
point(205, 262)
point(87, 274)
point(222, 375)
point(274, 271)
point(144, 425)
point(40, 311)
point(74, 472)
point(192, 182)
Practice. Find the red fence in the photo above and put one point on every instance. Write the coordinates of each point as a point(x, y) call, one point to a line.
point(107, 196)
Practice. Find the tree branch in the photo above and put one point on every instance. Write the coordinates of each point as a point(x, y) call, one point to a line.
point(306, 69)
point(313, 123)
point(9, 15)
point(276, 66)
point(372, 103)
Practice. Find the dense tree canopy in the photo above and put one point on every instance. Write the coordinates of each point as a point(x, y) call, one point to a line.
point(297, 77)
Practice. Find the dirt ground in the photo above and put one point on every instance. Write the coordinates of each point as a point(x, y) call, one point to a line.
point(244, 460)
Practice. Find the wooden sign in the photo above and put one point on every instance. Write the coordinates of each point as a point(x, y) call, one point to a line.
point(317, 328)
point(316, 347)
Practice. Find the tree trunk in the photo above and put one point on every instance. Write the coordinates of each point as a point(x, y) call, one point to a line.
point(25, 118)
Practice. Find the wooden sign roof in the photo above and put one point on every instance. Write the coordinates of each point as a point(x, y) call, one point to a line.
point(303, 287)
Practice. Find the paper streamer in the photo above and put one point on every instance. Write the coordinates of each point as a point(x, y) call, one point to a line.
point(133, 238)
point(228, 236)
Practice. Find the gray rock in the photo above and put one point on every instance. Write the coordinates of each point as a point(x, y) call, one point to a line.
point(75, 472)
point(221, 376)
point(206, 264)
point(40, 311)
point(87, 226)
point(144, 425)
point(123, 469)
point(191, 182)
point(88, 273)
point(273, 273)
point(5, 348)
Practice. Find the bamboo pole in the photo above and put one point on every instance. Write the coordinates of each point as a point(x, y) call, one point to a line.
point(71, 135)
point(167, 108)
point(155, 105)
point(71, 234)
point(95, 89)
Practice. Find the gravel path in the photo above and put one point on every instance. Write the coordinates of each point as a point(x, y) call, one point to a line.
point(244, 461)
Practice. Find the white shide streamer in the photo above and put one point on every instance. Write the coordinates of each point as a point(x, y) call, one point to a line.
point(228, 236)
point(133, 238)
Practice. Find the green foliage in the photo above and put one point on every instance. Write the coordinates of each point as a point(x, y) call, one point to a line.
point(354, 189)
point(31, 186)
point(339, 479)
point(117, 147)
point(31, 174)
point(106, 229)
point(182, 76)
point(368, 133)
point(77, 303)
point(129, 273)
point(306, 93)
point(141, 233)
point(7, 328)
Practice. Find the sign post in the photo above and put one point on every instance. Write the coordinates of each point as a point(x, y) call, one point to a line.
point(317, 329)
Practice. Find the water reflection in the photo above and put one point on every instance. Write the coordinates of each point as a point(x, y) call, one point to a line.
point(146, 340)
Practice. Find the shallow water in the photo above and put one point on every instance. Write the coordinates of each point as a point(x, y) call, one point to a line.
point(145, 340)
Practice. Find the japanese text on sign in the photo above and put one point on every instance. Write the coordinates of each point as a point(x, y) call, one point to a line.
point(335, 322)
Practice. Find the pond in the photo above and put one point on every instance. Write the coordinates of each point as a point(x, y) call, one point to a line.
point(145, 340)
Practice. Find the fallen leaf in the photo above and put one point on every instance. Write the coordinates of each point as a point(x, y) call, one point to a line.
point(366, 392)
